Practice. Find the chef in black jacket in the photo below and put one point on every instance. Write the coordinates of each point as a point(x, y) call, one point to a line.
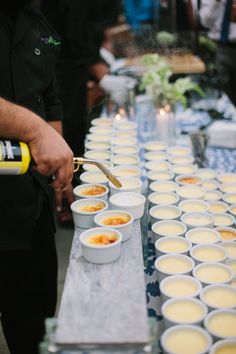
point(29, 49)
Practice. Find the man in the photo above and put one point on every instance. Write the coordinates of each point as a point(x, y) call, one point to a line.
point(219, 16)
point(29, 49)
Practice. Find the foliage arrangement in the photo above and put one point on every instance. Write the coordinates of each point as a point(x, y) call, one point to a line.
point(156, 82)
point(166, 38)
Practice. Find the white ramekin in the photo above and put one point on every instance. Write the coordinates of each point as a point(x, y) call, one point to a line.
point(102, 122)
point(174, 258)
point(230, 249)
point(85, 219)
point(228, 187)
point(125, 133)
point(168, 199)
point(216, 265)
point(163, 186)
point(185, 286)
point(125, 124)
point(154, 176)
point(157, 234)
point(180, 179)
point(172, 240)
point(230, 229)
point(131, 202)
point(124, 141)
point(100, 254)
point(179, 151)
point(206, 173)
point(130, 149)
point(208, 248)
point(129, 184)
point(153, 212)
point(125, 159)
point(218, 223)
point(183, 169)
point(99, 138)
point(222, 344)
point(157, 166)
point(155, 146)
point(232, 209)
point(93, 145)
point(181, 160)
point(187, 220)
point(214, 314)
point(181, 302)
point(99, 155)
point(213, 196)
point(229, 198)
point(155, 156)
point(191, 192)
point(193, 235)
point(125, 229)
point(198, 330)
point(193, 206)
point(100, 130)
point(77, 192)
point(232, 264)
point(93, 177)
point(223, 207)
point(210, 184)
point(227, 178)
point(211, 289)
point(107, 164)
point(126, 171)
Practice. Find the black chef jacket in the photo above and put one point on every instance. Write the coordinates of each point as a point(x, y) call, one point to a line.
point(28, 56)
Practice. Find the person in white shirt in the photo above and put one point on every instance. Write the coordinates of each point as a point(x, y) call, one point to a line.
point(219, 17)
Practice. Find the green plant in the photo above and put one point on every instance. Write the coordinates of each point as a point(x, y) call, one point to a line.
point(156, 82)
point(166, 38)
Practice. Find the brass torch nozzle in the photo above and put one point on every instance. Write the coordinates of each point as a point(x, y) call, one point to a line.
point(80, 161)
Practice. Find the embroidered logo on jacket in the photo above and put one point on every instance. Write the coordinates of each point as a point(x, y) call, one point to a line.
point(50, 40)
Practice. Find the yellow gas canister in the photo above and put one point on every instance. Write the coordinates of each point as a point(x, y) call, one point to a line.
point(14, 157)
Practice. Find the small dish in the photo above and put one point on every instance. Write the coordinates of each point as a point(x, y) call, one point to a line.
point(163, 186)
point(226, 233)
point(208, 253)
point(223, 219)
point(173, 264)
point(88, 191)
point(221, 296)
point(172, 244)
point(210, 185)
point(164, 212)
point(101, 245)
point(213, 196)
point(227, 178)
point(100, 130)
point(206, 173)
point(217, 207)
point(181, 160)
point(184, 180)
point(180, 339)
point(230, 248)
point(157, 165)
point(157, 198)
point(168, 228)
point(232, 264)
point(154, 176)
point(221, 324)
point(125, 160)
point(102, 122)
point(125, 125)
point(126, 171)
point(232, 210)
point(97, 154)
point(228, 187)
point(93, 145)
point(184, 169)
point(155, 146)
point(94, 177)
point(130, 150)
point(176, 286)
point(191, 192)
point(125, 141)
point(183, 310)
point(99, 138)
point(155, 156)
point(84, 210)
point(129, 184)
point(179, 151)
point(224, 346)
point(193, 206)
point(230, 198)
point(117, 219)
point(203, 236)
point(213, 273)
point(197, 220)
point(131, 202)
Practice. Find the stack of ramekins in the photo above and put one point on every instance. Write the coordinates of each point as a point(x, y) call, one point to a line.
point(101, 207)
point(192, 213)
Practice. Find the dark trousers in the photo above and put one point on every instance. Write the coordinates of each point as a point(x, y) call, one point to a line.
point(28, 289)
point(226, 57)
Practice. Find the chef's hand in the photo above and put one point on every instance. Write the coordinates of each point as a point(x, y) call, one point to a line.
point(52, 157)
point(117, 87)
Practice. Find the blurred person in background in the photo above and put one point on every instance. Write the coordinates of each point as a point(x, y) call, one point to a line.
point(82, 26)
point(219, 17)
point(29, 50)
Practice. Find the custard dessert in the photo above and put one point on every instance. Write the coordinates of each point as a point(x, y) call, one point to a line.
point(102, 240)
point(92, 191)
point(91, 208)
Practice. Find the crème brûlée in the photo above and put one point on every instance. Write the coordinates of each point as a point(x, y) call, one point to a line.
point(220, 297)
point(222, 219)
point(177, 246)
point(227, 235)
point(184, 311)
point(189, 180)
point(231, 198)
point(102, 240)
point(232, 266)
point(92, 191)
point(166, 229)
point(165, 213)
point(91, 208)
point(233, 210)
point(173, 265)
point(186, 341)
point(198, 220)
point(230, 248)
point(217, 208)
point(208, 254)
point(212, 274)
point(227, 348)
point(180, 288)
point(223, 324)
point(164, 198)
point(203, 236)
point(194, 207)
point(116, 220)
point(191, 192)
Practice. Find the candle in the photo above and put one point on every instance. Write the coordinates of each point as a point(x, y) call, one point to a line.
point(165, 124)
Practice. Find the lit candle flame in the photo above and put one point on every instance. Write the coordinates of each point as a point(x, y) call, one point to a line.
point(118, 117)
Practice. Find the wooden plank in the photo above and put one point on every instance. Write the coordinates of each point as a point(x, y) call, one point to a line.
point(104, 304)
